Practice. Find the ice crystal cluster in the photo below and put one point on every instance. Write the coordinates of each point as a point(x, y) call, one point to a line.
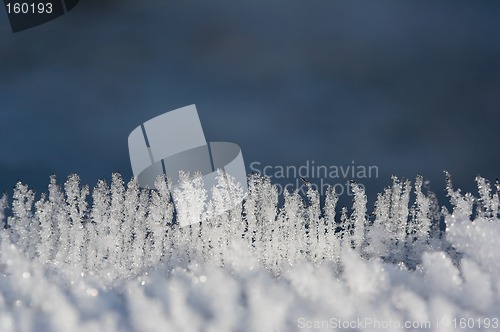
point(115, 258)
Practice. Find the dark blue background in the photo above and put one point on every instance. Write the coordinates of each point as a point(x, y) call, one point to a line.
point(412, 87)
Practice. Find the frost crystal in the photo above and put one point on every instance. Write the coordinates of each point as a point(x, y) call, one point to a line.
point(122, 258)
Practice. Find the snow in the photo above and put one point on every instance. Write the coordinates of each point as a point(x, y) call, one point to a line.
point(116, 259)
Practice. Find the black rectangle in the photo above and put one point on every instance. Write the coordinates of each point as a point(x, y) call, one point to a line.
point(70, 4)
point(25, 14)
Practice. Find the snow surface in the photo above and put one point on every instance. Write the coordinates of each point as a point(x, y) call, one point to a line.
point(119, 261)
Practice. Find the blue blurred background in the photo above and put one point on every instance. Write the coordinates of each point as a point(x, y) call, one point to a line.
point(412, 87)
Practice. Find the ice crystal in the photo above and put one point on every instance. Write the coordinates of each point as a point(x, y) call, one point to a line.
point(120, 258)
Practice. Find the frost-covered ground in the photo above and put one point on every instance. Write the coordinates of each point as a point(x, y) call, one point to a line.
point(120, 263)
